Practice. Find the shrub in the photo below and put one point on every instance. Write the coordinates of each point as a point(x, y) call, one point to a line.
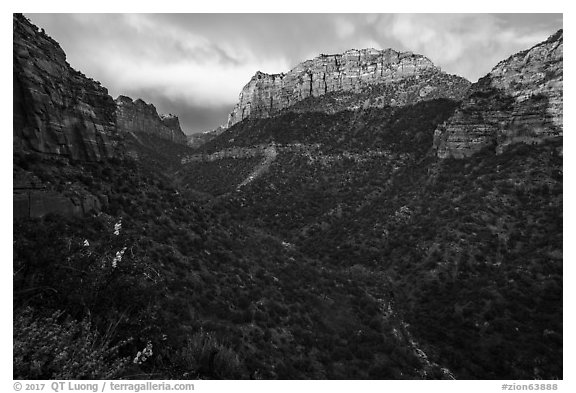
point(56, 347)
point(206, 357)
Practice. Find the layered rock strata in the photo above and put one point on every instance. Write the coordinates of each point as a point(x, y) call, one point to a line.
point(57, 110)
point(352, 71)
point(138, 116)
point(61, 114)
point(520, 100)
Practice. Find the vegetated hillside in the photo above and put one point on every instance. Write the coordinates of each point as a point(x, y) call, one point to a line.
point(156, 286)
point(478, 263)
point(471, 249)
point(345, 130)
point(156, 153)
point(196, 140)
point(217, 177)
point(390, 135)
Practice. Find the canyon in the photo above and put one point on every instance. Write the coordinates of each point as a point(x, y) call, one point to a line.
point(363, 216)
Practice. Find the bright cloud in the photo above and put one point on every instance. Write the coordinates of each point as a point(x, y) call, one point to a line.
point(465, 44)
point(196, 65)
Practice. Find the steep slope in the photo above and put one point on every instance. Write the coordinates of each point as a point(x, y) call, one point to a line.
point(350, 72)
point(61, 114)
point(57, 111)
point(140, 117)
point(468, 252)
point(151, 284)
point(520, 100)
point(225, 162)
point(470, 249)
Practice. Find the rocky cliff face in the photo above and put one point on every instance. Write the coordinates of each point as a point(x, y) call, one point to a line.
point(33, 198)
point(138, 116)
point(352, 71)
point(57, 110)
point(61, 114)
point(520, 100)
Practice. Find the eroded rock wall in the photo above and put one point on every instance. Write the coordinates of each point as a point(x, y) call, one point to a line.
point(352, 71)
point(520, 100)
point(138, 116)
point(57, 110)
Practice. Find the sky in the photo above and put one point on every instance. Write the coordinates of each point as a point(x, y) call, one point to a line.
point(195, 65)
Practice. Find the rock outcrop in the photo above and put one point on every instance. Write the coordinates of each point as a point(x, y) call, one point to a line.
point(33, 198)
point(352, 71)
point(57, 110)
point(138, 116)
point(520, 100)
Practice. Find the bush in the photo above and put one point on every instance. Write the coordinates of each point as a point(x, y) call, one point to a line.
point(55, 347)
point(205, 356)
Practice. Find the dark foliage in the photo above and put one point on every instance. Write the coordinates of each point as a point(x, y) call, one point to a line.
point(472, 248)
point(385, 128)
point(338, 265)
point(213, 298)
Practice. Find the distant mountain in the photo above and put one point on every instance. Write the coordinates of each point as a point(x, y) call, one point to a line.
point(391, 77)
point(138, 116)
point(201, 138)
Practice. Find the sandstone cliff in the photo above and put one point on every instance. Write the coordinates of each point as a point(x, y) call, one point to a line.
point(61, 114)
point(57, 110)
point(353, 72)
point(520, 100)
point(138, 116)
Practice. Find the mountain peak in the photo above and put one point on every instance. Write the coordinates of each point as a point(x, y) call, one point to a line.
point(352, 70)
point(139, 116)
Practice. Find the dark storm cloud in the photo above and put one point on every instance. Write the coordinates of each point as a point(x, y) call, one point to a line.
point(194, 65)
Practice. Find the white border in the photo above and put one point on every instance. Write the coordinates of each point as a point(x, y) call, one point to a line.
point(38, 6)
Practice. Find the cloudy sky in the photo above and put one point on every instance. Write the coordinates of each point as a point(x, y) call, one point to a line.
point(195, 65)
